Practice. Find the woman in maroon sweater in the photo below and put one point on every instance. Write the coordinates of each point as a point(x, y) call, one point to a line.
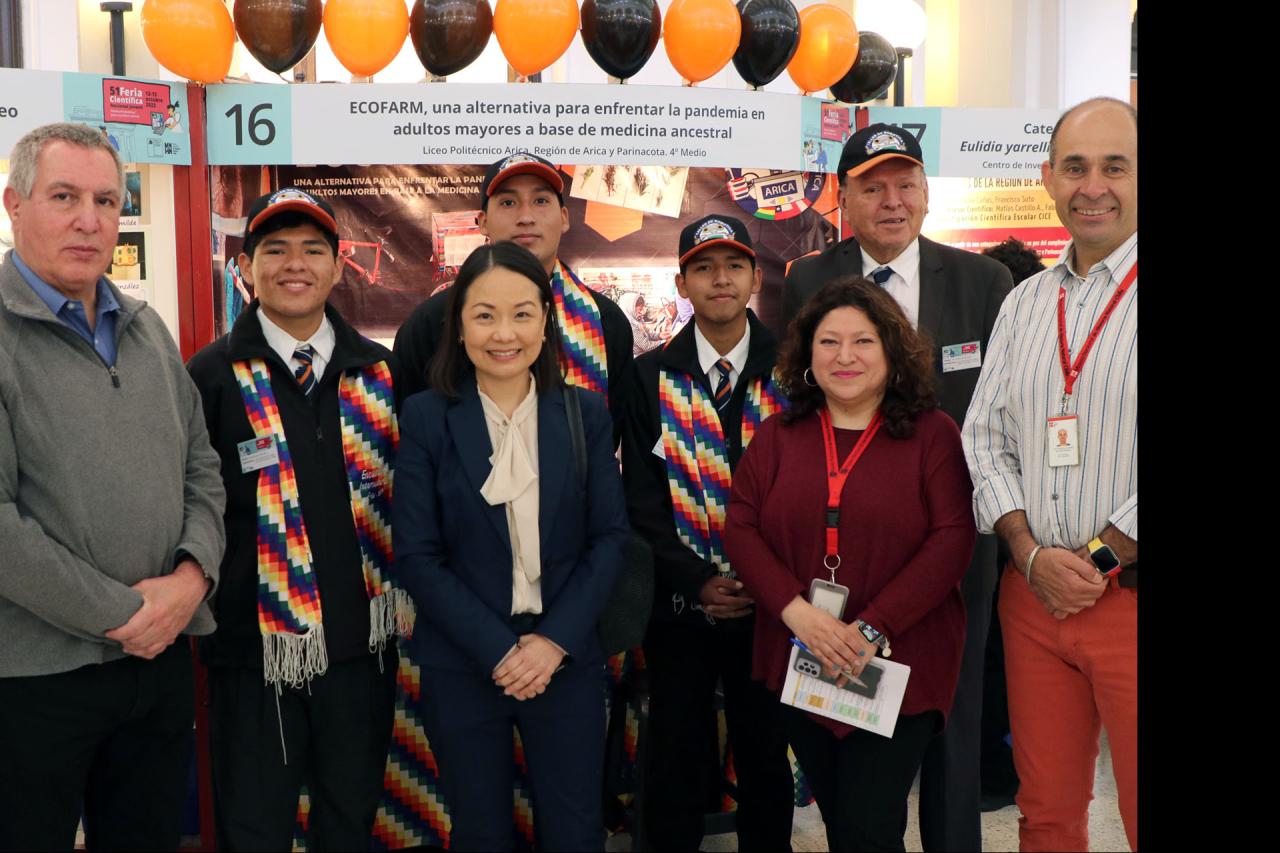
point(905, 536)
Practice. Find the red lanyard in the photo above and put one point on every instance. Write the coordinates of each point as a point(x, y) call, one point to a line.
point(837, 474)
point(1071, 372)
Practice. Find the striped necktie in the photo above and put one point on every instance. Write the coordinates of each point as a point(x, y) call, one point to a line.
point(881, 275)
point(305, 374)
point(722, 387)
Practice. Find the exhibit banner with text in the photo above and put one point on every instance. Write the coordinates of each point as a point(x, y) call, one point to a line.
point(466, 123)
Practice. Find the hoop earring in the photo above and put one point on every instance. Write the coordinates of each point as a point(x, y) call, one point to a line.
point(808, 372)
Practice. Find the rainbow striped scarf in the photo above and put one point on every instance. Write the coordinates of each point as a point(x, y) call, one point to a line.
point(289, 614)
point(581, 331)
point(698, 473)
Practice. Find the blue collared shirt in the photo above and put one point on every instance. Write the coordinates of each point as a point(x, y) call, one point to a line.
point(102, 337)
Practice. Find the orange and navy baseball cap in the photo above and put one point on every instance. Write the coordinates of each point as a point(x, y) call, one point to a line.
point(288, 200)
point(875, 144)
point(520, 163)
point(714, 230)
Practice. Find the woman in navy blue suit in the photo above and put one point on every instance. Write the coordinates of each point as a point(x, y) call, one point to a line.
point(509, 559)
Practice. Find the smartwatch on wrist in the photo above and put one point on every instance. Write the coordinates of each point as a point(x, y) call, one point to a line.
point(874, 636)
point(1104, 558)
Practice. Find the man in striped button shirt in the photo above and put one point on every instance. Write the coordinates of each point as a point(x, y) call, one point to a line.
point(1069, 512)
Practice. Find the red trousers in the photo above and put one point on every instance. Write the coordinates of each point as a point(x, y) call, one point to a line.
point(1066, 679)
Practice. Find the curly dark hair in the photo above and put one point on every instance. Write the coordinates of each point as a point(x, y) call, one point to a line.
point(911, 386)
point(1023, 262)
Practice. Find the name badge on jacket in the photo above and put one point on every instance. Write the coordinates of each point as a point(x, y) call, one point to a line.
point(257, 453)
point(961, 356)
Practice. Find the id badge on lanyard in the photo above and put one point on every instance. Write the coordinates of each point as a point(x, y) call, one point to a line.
point(1062, 432)
point(832, 595)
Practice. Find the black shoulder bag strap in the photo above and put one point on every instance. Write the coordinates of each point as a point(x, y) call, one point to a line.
point(573, 413)
point(625, 616)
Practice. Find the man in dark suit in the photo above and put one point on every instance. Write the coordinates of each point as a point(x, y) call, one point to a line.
point(953, 296)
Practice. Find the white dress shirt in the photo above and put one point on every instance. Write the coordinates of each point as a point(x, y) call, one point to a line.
point(708, 356)
point(1020, 388)
point(904, 284)
point(284, 344)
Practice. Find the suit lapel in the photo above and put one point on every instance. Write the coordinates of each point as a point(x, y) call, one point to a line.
point(470, 435)
point(555, 460)
point(932, 288)
point(681, 353)
point(849, 258)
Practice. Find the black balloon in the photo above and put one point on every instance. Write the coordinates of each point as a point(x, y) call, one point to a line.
point(278, 32)
point(872, 73)
point(449, 34)
point(770, 36)
point(620, 35)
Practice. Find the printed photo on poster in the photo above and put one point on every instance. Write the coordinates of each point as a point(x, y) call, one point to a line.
point(133, 204)
point(824, 128)
point(134, 207)
point(647, 295)
point(454, 236)
point(650, 189)
point(129, 258)
point(364, 257)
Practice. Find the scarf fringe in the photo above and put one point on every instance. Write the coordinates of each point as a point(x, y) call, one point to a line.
point(391, 614)
point(294, 659)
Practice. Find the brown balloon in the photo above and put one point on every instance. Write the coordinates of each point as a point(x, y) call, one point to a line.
point(448, 35)
point(279, 33)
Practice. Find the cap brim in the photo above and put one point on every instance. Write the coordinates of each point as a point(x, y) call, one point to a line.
point(725, 241)
point(548, 174)
point(314, 211)
point(880, 158)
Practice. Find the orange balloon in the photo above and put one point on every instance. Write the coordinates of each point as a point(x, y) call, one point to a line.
point(365, 35)
point(701, 36)
point(827, 50)
point(534, 33)
point(192, 38)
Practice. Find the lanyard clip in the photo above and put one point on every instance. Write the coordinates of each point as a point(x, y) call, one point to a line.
point(1066, 398)
point(831, 562)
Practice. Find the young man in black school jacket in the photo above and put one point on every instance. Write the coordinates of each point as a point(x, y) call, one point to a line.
point(295, 716)
point(701, 629)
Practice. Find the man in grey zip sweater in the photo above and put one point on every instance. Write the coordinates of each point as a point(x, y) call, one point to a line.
point(110, 520)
